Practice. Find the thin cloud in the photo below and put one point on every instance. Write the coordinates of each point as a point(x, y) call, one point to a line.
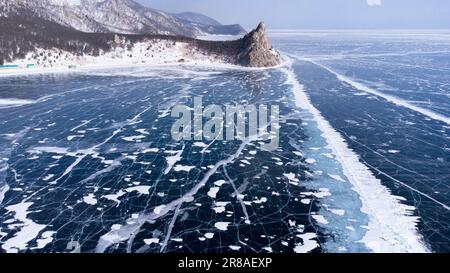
point(374, 2)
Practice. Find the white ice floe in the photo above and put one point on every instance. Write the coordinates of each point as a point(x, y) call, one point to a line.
point(268, 249)
point(339, 212)
point(261, 200)
point(150, 150)
point(319, 194)
point(70, 138)
point(151, 241)
point(235, 248)
point(46, 238)
point(172, 160)
point(140, 189)
point(115, 197)
point(222, 225)
point(3, 190)
point(220, 183)
point(219, 209)
point(213, 192)
point(134, 138)
point(391, 228)
point(90, 199)
point(181, 168)
point(116, 227)
point(310, 160)
point(27, 230)
point(306, 201)
point(142, 131)
point(292, 178)
point(54, 150)
point(320, 219)
point(308, 244)
point(199, 144)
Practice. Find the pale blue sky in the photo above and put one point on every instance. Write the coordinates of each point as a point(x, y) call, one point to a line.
point(321, 14)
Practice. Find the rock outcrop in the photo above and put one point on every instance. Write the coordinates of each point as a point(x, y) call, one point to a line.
point(253, 50)
point(257, 50)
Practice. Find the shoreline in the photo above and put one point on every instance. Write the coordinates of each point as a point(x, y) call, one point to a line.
point(12, 72)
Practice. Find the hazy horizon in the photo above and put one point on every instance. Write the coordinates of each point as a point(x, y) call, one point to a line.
point(318, 14)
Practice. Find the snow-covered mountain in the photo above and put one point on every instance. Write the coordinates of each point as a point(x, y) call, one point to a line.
point(51, 33)
point(28, 39)
point(119, 16)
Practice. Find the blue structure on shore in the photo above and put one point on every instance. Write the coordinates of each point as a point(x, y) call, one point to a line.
point(9, 66)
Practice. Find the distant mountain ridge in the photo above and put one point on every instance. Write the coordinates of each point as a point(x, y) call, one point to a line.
point(210, 26)
point(197, 18)
point(119, 16)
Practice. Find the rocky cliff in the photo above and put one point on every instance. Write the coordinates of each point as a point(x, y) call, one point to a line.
point(257, 50)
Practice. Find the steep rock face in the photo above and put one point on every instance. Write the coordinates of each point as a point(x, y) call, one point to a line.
point(257, 50)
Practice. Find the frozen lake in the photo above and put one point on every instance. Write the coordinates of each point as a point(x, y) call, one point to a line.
point(87, 159)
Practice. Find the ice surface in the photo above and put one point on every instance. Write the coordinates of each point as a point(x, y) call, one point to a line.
point(390, 227)
point(405, 148)
point(98, 165)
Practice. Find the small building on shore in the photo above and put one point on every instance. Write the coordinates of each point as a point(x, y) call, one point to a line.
point(15, 66)
point(9, 66)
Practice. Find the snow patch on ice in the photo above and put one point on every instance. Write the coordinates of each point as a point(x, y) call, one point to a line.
point(90, 199)
point(222, 225)
point(14, 102)
point(27, 229)
point(213, 192)
point(140, 189)
point(308, 244)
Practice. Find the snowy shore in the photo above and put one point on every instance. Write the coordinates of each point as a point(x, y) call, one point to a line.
point(118, 63)
point(140, 54)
